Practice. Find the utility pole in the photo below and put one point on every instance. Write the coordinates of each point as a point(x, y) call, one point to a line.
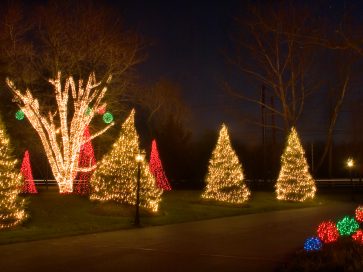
point(263, 122)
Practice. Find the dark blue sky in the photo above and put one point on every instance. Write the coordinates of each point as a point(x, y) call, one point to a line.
point(189, 38)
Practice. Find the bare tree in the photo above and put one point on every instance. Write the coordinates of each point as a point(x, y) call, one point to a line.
point(63, 138)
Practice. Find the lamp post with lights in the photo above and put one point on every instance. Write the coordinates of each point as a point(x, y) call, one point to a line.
point(350, 165)
point(139, 159)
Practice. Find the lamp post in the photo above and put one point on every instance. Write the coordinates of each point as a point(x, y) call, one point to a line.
point(139, 159)
point(350, 165)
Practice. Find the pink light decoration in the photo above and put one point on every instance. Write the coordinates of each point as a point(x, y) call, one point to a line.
point(157, 170)
point(86, 160)
point(358, 236)
point(28, 186)
point(359, 214)
point(328, 232)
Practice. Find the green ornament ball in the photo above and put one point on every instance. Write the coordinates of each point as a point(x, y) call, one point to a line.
point(19, 115)
point(107, 117)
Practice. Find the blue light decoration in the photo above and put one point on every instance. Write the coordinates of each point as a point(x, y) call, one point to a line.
point(19, 115)
point(312, 244)
point(107, 117)
point(347, 226)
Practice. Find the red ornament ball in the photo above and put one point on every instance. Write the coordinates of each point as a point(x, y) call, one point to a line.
point(358, 236)
point(328, 232)
point(359, 214)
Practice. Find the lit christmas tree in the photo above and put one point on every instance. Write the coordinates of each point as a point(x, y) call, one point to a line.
point(294, 182)
point(26, 171)
point(116, 175)
point(157, 170)
point(11, 205)
point(225, 175)
point(86, 160)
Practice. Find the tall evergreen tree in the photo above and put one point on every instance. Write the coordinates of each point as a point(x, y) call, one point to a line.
point(225, 175)
point(12, 210)
point(294, 183)
point(116, 175)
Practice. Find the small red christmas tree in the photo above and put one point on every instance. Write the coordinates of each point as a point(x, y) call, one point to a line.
point(86, 159)
point(26, 171)
point(156, 169)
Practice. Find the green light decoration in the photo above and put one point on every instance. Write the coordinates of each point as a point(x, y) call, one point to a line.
point(88, 111)
point(347, 226)
point(19, 115)
point(107, 117)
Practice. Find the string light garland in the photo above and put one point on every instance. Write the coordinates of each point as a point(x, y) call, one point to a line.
point(86, 159)
point(107, 117)
point(156, 168)
point(116, 175)
point(19, 115)
point(62, 138)
point(224, 180)
point(358, 236)
point(327, 232)
point(347, 226)
point(12, 211)
point(26, 171)
point(294, 183)
point(313, 244)
point(359, 214)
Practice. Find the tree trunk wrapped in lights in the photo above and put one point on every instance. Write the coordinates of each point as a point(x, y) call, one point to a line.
point(294, 183)
point(11, 205)
point(225, 175)
point(116, 175)
point(26, 170)
point(62, 138)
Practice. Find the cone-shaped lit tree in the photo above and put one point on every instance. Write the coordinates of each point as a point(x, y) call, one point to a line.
point(116, 175)
point(225, 175)
point(28, 181)
point(86, 160)
point(294, 182)
point(11, 205)
point(157, 170)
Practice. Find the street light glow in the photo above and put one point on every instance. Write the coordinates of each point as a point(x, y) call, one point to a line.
point(350, 163)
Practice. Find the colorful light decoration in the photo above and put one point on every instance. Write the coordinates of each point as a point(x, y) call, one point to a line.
point(294, 183)
point(62, 149)
point(358, 236)
point(86, 160)
point(157, 170)
point(107, 117)
point(116, 175)
point(102, 109)
point(328, 232)
point(12, 211)
point(225, 175)
point(19, 115)
point(313, 244)
point(26, 171)
point(88, 111)
point(347, 226)
point(359, 214)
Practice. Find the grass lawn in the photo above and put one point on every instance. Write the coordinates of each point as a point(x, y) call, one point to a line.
point(54, 215)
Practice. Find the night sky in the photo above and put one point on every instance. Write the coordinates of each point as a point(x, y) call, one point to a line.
point(189, 40)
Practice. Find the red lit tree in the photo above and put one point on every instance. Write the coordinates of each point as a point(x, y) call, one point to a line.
point(28, 186)
point(86, 160)
point(157, 170)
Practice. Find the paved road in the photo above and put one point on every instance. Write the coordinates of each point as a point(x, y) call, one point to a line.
point(257, 242)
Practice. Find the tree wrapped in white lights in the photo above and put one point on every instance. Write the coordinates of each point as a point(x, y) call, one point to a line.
point(225, 175)
point(116, 175)
point(294, 183)
point(61, 131)
point(11, 205)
